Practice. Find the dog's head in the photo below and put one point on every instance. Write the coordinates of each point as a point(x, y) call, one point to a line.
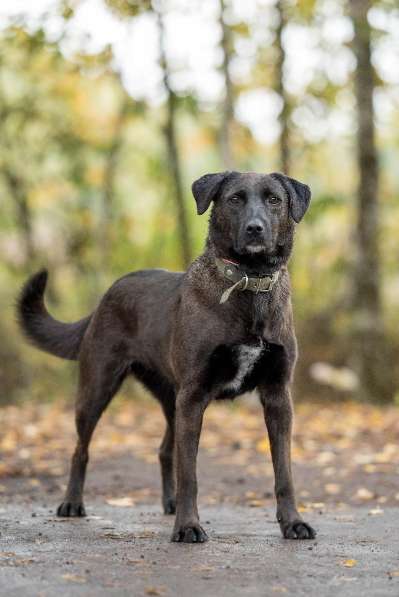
point(253, 214)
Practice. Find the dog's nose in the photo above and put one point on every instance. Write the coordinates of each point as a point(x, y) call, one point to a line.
point(255, 227)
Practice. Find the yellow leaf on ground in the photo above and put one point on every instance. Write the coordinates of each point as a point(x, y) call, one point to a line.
point(263, 446)
point(364, 494)
point(302, 508)
point(256, 503)
point(123, 502)
point(332, 488)
point(203, 568)
point(74, 578)
point(370, 468)
point(349, 563)
point(154, 590)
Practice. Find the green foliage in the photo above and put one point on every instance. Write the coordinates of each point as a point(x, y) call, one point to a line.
point(128, 8)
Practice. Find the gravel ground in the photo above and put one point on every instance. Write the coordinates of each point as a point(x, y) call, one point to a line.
point(126, 551)
point(347, 487)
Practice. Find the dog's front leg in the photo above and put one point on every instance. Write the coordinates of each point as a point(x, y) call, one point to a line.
point(189, 414)
point(278, 412)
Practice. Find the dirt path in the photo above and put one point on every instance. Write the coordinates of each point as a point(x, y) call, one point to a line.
point(126, 551)
point(347, 486)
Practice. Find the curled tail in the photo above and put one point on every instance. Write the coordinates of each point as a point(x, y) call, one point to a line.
point(60, 339)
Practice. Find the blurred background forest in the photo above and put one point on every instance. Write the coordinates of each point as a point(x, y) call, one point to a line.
point(109, 109)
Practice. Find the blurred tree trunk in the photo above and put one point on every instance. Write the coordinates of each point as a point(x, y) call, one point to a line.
point(173, 153)
point(228, 102)
point(371, 352)
point(23, 213)
point(109, 183)
point(284, 140)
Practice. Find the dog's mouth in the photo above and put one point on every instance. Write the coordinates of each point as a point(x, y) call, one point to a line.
point(256, 247)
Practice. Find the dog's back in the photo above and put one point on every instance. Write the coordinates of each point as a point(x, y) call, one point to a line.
point(129, 303)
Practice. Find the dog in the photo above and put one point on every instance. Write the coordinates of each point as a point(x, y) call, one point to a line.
point(222, 328)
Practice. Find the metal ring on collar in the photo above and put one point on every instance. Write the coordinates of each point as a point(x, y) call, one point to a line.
point(246, 282)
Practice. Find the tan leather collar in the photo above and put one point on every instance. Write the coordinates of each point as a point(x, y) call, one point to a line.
point(241, 281)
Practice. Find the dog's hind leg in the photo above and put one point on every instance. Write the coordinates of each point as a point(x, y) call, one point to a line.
point(166, 459)
point(97, 386)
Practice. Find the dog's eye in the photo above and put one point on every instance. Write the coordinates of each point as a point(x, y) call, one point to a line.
point(273, 200)
point(235, 200)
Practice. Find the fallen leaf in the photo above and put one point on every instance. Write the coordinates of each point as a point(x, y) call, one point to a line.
point(332, 488)
point(154, 590)
point(263, 446)
point(376, 511)
point(256, 503)
point(317, 505)
point(349, 563)
point(364, 494)
point(304, 493)
point(251, 494)
point(119, 536)
point(347, 578)
point(302, 508)
point(74, 578)
point(145, 535)
point(203, 568)
point(21, 562)
point(325, 457)
point(123, 502)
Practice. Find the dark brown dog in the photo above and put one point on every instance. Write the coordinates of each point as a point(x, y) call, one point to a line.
point(222, 328)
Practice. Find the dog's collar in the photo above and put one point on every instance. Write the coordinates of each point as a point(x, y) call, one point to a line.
point(241, 280)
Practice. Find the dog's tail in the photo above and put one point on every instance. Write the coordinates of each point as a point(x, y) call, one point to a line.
point(60, 339)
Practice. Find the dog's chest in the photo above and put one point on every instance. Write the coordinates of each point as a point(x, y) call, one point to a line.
point(244, 357)
point(233, 369)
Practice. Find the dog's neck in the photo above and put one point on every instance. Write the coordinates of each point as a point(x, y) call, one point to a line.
point(252, 264)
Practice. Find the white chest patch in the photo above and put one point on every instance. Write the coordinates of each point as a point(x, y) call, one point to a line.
point(247, 356)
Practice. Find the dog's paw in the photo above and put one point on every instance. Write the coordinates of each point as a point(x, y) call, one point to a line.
point(69, 509)
point(189, 534)
point(297, 530)
point(169, 505)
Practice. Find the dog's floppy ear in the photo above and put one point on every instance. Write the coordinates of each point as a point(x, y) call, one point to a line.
point(206, 188)
point(298, 193)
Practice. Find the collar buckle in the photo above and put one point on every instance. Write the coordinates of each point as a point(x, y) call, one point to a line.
point(272, 280)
